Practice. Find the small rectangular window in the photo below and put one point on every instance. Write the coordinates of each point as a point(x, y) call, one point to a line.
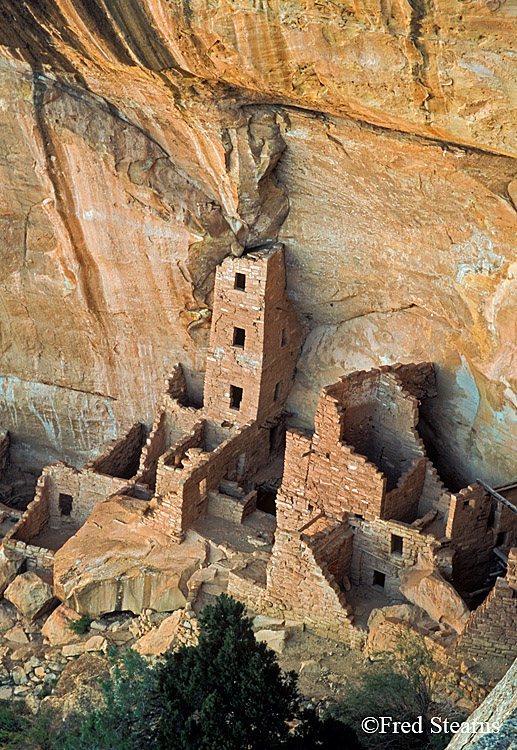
point(278, 388)
point(235, 397)
point(240, 281)
point(379, 579)
point(502, 539)
point(283, 340)
point(397, 545)
point(239, 336)
point(65, 504)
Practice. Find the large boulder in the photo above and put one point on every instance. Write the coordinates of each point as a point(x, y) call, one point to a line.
point(159, 640)
point(31, 595)
point(10, 565)
point(115, 563)
point(57, 629)
point(425, 587)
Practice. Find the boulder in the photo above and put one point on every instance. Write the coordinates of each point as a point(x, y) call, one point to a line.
point(78, 689)
point(57, 627)
point(274, 639)
point(10, 565)
point(117, 562)
point(30, 595)
point(426, 588)
point(17, 635)
point(160, 640)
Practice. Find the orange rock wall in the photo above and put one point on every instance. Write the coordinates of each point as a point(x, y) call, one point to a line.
point(143, 142)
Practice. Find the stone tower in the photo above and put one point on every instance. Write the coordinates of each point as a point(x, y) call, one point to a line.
point(254, 340)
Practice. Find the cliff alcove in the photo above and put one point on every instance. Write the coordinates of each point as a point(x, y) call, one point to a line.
point(143, 142)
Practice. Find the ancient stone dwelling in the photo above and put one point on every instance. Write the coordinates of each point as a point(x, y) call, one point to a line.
point(362, 518)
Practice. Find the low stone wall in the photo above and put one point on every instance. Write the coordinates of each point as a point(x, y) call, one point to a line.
point(30, 525)
point(202, 472)
point(85, 488)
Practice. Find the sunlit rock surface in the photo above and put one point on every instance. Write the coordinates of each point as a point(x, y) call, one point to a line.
point(144, 141)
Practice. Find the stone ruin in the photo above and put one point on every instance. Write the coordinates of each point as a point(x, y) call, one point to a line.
point(363, 520)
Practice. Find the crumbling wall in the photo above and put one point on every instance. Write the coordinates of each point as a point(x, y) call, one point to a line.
point(121, 458)
point(187, 499)
point(31, 524)
point(171, 462)
point(299, 582)
point(85, 488)
point(490, 629)
point(434, 493)
point(418, 379)
point(5, 442)
point(402, 502)
point(467, 527)
point(387, 547)
point(175, 419)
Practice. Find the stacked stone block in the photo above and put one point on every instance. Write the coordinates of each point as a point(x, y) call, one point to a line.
point(490, 629)
point(121, 458)
point(250, 296)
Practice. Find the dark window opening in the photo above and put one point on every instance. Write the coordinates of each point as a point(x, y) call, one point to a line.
point(240, 281)
point(276, 394)
point(502, 539)
point(266, 501)
point(359, 516)
point(491, 515)
point(397, 545)
point(283, 341)
point(65, 504)
point(379, 579)
point(239, 336)
point(273, 439)
point(235, 397)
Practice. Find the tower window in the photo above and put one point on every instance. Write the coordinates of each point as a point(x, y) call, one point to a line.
point(240, 281)
point(65, 504)
point(278, 388)
point(379, 579)
point(502, 539)
point(239, 336)
point(235, 397)
point(283, 340)
point(397, 545)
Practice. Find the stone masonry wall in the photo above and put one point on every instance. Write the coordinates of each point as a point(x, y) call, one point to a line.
point(301, 584)
point(490, 629)
point(263, 365)
point(33, 521)
point(121, 458)
point(5, 441)
point(202, 472)
point(467, 527)
point(86, 489)
point(171, 462)
point(402, 502)
point(174, 420)
point(375, 551)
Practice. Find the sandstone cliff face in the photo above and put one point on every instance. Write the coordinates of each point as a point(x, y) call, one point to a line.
point(144, 141)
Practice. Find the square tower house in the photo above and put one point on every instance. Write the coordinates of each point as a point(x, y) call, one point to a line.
point(255, 340)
